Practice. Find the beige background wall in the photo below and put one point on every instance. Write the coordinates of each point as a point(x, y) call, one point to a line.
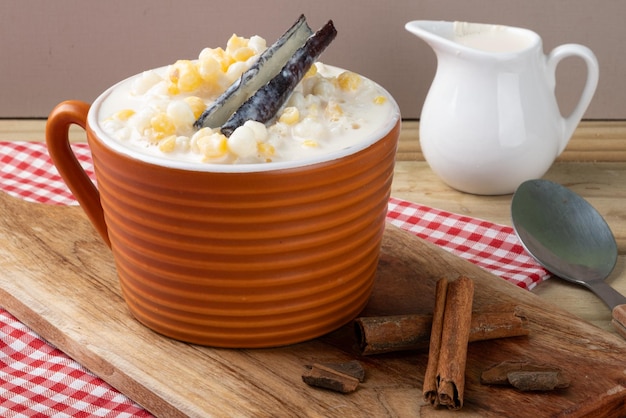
point(73, 49)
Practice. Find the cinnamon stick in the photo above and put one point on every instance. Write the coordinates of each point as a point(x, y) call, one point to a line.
point(449, 339)
point(502, 324)
point(384, 334)
point(432, 367)
point(455, 337)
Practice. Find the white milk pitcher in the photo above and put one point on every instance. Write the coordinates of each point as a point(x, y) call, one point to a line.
point(491, 120)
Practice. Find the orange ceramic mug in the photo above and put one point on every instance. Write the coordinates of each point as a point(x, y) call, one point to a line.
point(234, 256)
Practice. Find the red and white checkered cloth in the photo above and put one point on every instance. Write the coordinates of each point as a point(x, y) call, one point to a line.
point(493, 247)
point(37, 380)
point(26, 171)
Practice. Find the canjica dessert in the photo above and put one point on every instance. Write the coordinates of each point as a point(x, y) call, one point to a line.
point(188, 111)
point(231, 220)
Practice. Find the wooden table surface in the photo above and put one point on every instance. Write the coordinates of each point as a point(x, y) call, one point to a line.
point(593, 165)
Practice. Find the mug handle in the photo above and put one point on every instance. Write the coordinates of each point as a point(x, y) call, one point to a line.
point(574, 50)
point(65, 114)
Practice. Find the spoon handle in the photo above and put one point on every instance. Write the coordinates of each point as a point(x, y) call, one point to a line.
point(615, 300)
point(605, 292)
point(619, 319)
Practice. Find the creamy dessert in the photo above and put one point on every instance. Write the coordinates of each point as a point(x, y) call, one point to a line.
point(329, 110)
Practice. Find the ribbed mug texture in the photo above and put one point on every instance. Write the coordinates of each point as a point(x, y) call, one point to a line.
point(253, 259)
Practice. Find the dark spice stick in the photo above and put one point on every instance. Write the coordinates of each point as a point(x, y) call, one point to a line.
point(430, 378)
point(454, 341)
point(498, 324)
point(384, 334)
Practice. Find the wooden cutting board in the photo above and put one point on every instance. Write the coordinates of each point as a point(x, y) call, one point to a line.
point(59, 278)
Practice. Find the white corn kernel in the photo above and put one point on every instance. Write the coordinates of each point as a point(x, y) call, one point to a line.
point(162, 126)
point(183, 143)
point(243, 54)
point(259, 129)
point(290, 116)
point(145, 82)
point(310, 128)
point(123, 115)
point(209, 144)
point(257, 43)
point(184, 76)
point(196, 104)
point(242, 142)
point(379, 100)
point(349, 81)
point(333, 111)
point(141, 120)
point(168, 144)
point(234, 43)
point(180, 114)
point(267, 151)
point(209, 68)
point(235, 70)
point(323, 88)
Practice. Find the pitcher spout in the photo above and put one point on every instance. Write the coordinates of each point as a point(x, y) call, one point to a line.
point(475, 38)
point(434, 33)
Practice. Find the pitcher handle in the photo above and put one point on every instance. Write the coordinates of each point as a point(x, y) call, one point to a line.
point(64, 115)
point(568, 50)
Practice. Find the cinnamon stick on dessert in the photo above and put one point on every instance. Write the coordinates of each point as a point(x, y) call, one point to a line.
point(449, 339)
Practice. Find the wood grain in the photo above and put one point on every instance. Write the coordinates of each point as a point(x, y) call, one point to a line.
point(593, 141)
point(59, 278)
point(32, 130)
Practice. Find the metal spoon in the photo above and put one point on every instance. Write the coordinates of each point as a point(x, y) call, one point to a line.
point(568, 237)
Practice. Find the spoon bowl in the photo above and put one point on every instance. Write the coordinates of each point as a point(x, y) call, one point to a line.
point(567, 236)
